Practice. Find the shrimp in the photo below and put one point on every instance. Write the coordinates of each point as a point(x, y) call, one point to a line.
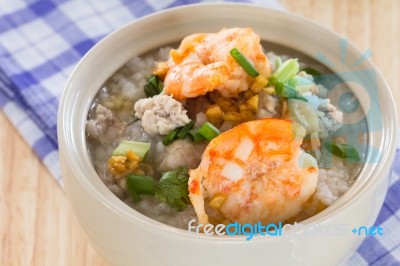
point(203, 63)
point(253, 173)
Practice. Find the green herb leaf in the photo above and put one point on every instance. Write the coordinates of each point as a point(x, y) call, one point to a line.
point(244, 62)
point(153, 86)
point(344, 151)
point(139, 148)
point(173, 188)
point(138, 185)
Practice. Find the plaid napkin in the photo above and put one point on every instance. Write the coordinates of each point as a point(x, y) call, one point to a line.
point(42, 40)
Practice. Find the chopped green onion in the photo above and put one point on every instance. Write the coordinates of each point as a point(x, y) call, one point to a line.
point(278, 62)
point(138, 185)
point(173, 188)
point(284, 81)
point(185, 130)
point(195, 135)
point(209, 131)
point(311, 71)
point(153, 86)
point(342, 150)
point(178, 133)
point(244, 63)
point(285, 72)
point(288, 92)
point(292, 82)
point(206, 132)
point(139, 148)
point(168, 139)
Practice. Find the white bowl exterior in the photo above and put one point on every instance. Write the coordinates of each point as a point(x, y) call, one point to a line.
point(122, 241)
point(124, 236)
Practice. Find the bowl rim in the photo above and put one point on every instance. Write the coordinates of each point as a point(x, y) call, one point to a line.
point(119, 207)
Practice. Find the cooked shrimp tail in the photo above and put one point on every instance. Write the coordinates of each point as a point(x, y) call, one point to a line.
point(203, 63)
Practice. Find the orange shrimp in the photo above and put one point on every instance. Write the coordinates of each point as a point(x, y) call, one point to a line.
point(203, 63)
point(253, 173)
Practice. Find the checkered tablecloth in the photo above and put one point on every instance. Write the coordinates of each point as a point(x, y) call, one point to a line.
point(42, 40)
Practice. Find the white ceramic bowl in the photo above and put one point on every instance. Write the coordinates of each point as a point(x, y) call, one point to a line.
point(126, 237)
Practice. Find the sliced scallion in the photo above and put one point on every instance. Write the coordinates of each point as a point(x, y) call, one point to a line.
point(278, 62)
point(168, 139)
point(185, 129)
point(292, 82)
point(138, 185)
point(340, 150)
point(153, 86)
point(178, 133)
point(288, 92)
point(139, 148)
point(244, 62)
point(209, 131)
point(206, 132)
point(285, 72)
point(195, 136)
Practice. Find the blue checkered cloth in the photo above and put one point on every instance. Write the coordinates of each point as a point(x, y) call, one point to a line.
point(40, 43)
